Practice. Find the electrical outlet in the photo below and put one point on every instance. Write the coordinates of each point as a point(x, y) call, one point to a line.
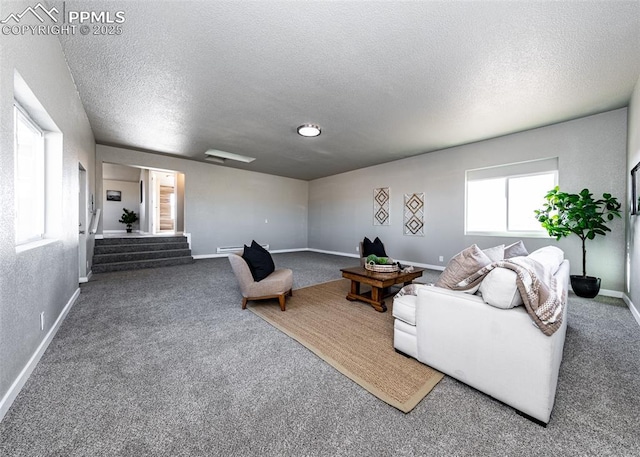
point(441, 259)
point(42, 320)
point(357, 248)
point(266, 221)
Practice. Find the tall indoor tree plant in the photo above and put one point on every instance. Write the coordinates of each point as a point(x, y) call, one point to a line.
point(582, 215)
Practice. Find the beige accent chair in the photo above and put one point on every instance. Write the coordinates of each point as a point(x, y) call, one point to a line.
point(278, 284)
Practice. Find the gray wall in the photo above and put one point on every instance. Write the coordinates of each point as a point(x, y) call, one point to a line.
point(112, 210)
point(42, 279)
point(591, 152)
point(633, 227)
point(225, 206)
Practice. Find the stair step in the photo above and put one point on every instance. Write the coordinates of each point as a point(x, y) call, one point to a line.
point(119, 248)
point(143, 255)
point(134, 265)
point(141, 240)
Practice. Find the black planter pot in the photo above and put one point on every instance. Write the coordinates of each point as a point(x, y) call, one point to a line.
point(129, 230)
point(585, 286)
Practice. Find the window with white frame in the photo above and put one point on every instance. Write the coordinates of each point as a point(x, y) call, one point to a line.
point(29, 178)
point(501, 200)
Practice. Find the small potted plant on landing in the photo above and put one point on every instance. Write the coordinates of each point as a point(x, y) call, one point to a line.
point(129, 218)
point(564, 214)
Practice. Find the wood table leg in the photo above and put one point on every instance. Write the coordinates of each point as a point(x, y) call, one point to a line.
point(377, 299)
point(355, 291)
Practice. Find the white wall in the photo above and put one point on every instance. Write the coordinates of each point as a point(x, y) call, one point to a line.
point(43, 279)
point(633, 227)
point(591, 154)
point(226, 206)
point(112, 210)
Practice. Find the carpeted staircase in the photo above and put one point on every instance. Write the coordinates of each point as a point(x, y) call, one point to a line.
point(132, 253)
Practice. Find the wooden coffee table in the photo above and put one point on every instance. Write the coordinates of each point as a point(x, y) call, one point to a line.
point(379, 282)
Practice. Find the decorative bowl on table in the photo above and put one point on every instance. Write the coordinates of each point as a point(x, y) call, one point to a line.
point(386, 268)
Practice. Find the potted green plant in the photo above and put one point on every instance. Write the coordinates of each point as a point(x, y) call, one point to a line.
point(129, 218)
point(564, 214)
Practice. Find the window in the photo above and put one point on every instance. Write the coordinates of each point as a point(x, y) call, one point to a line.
point(501, 200)
point(29, 178)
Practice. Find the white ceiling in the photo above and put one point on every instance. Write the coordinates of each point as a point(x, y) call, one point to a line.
point(384, 80)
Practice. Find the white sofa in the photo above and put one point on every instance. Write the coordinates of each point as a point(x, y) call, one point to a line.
point(497, 351)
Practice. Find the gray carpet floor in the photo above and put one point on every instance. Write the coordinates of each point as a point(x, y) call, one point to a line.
point(163, 362)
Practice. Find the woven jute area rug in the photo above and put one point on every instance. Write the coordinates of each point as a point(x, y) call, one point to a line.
point(354, 339)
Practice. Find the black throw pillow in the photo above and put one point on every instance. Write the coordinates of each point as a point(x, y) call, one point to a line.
point(259, 261)
point(374, 247)
point(271, 265)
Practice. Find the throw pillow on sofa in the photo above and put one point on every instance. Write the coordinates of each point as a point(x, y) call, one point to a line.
point(516, 249)
point(550, 257)
point(499, 289)
point(461, 266)
point(495, 253)
point(259, 261)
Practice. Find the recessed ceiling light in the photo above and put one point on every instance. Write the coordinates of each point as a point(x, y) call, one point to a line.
point(229, 155)
point(309, 130)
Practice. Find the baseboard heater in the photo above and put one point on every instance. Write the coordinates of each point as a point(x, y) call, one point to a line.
point(230, 249)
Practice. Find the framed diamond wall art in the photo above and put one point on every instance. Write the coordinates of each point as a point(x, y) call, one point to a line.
point(414, 214)
point(381, 197)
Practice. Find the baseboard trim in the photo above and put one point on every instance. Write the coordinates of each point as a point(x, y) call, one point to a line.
point(343, 254)
point(274, 251)
point(632, 308)
point(209, 256)
point(423, 265)
point(357, 256)
point(22, 378)
point(283, 251)
point(323, 251)
point(611, 293)
point(84, 279)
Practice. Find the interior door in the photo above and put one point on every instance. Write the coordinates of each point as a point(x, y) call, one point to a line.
point(163, 201)
point(167, 205)
point(83, 210)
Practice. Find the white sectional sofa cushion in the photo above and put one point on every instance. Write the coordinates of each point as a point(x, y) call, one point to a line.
point(404, 308)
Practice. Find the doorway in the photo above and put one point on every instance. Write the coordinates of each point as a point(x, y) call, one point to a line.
point(141, 188)
point(164, 198)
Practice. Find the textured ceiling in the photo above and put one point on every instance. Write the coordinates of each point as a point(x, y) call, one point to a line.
point(384, 80)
